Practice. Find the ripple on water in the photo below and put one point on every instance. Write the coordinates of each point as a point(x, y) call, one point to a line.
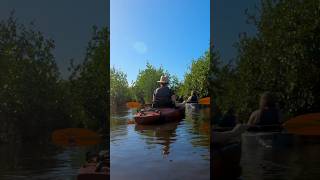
point(155, 152)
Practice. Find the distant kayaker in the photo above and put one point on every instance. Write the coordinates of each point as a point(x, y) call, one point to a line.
point(163, 96)
point(267, 114)
point(193, 98)
point(141, 100)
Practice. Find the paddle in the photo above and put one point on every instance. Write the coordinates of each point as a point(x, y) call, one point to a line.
point(308, 124)
point(75, 137)
point(131, 121)
point(133, 105)
point(204, 101)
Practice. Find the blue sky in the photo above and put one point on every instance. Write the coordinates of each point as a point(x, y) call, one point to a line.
point(168, 32)
point(229, 20)
point(69, 23)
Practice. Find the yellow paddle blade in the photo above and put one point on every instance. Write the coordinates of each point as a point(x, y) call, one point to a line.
point(205, 101)
point(75, 137)
point(308, 124)
point(133, 105)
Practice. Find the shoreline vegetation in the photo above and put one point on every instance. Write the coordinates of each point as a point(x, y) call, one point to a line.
point(35, 99)
point(282, 58)
point(141, 90)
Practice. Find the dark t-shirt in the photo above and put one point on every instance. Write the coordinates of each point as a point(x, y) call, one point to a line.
point(163, 97)
point(193, 99)
point(270, 116)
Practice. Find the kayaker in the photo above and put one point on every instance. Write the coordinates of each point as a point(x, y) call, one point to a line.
point(193, 98)
point(141, 100)
point(267, 114)
point(163, 96)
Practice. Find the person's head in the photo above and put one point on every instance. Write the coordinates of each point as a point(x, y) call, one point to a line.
point(164, 80)
point(267, 100)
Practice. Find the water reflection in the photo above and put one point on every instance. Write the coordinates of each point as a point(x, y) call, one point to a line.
point(39, 161)
point(42, 161)
point(163, 134)
point(156, 151)
point(280, 156)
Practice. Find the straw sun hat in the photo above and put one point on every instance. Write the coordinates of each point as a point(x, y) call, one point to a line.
point(164, 79)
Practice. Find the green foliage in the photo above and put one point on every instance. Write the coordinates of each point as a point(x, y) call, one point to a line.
point(34, 99)
point(90, 83)
point(146, 82)
point(119, 88)
point(175, 84)
point(282, 58)
point(197, 77)
point(30, 90)
point(142, 88)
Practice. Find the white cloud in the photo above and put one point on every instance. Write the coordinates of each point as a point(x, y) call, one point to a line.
point(140, 47)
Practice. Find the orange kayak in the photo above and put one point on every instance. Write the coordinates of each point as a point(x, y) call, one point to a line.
point(159, 115)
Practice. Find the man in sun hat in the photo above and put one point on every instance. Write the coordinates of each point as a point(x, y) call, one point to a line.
point(163, 96)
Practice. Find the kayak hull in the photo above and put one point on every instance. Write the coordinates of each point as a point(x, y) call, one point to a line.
point(88, 172)
point(160, 115)
point(226, 161)
point(147, 118)
point(266, 128)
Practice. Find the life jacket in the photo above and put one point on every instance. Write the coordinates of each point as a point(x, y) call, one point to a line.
point(194, 99)
point(268, 116)
point(163, 97)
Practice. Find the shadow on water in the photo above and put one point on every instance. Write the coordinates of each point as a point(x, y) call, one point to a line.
point(280, 156)
point(41, 161)
point(163, 134)
point(156, 151)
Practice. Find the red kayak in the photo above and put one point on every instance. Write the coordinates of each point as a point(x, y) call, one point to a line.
point(159, 115)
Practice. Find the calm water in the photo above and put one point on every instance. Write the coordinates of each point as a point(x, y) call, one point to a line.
point(40, 162)
point(279, 156)
point(169, 151)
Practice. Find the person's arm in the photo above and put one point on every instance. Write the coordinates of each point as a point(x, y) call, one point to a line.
point(173, 99)
point(154, 96)
point(253, 118)
point(189, 99)
point(250, 121)
point(227, 136)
